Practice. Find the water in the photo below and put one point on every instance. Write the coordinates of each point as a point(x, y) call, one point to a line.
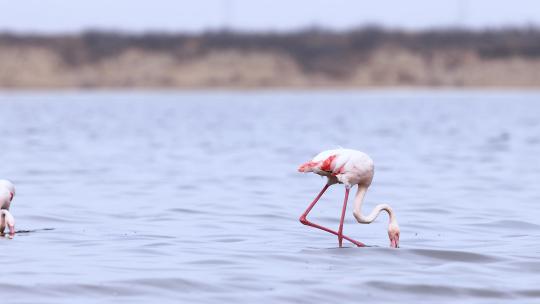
point(194, 197)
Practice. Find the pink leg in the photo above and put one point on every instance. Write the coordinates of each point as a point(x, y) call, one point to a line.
point(304, 220)
point(340, 231)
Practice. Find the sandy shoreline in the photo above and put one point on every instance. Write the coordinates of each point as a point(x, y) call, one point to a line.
point(310, 60)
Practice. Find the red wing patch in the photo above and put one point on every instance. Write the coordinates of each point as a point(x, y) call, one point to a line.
point(327, 163)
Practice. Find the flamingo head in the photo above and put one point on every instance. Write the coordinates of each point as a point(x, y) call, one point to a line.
point(10, 221)
point(393, 234)
point(11, 229)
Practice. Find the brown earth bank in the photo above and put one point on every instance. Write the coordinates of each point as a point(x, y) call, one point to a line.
point(369, 57)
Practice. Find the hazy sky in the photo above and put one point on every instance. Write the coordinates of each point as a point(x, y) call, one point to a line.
point(196, 15)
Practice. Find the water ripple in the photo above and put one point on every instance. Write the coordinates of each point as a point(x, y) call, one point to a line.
point(439, 290)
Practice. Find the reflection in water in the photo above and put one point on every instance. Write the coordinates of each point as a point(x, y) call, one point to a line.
point(194, 197)
point(33, 230)
point(19, 232)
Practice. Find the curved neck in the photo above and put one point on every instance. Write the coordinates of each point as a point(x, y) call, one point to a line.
point(3, 219)
point(366, 219)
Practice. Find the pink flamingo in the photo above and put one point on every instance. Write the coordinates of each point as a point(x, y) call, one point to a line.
point(7, 192)
point(348, 167)
point(6, 219)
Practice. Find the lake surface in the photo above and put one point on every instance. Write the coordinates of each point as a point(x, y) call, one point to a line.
point(194, 197)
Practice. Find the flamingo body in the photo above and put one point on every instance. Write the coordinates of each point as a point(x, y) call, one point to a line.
point(7, 193)
point(349, 167)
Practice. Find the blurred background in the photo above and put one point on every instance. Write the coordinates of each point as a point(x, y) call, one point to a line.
point(268, 44)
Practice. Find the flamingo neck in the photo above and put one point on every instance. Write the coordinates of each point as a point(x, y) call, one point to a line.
point(3, 219)
point(367, 219)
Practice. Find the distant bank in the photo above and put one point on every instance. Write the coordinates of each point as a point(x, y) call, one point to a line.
point(367, 57)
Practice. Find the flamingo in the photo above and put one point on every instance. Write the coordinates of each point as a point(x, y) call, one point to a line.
point(7, 192)
point(6, 219)
point(348, 167)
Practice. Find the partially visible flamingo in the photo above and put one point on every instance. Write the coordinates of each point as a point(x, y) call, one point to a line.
point(6, 219)
point(7, 192)
point(348, 167)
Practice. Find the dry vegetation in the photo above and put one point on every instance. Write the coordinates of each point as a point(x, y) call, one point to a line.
point(314, 58)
